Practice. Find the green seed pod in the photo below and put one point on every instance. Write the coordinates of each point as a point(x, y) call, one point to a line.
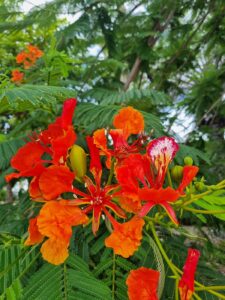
point(78, 161)
point(188, 161)
point(177, 173)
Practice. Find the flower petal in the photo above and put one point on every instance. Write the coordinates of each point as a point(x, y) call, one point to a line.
point(55, 251)
point(142, 284)
point(35, 237)
point(126, 237)
point(170, 212)
point(55, 180)
point(130, 120)
point(186, 283)
point(189, 172)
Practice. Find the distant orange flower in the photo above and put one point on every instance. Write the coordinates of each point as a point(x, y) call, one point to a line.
point(186, 283)
point(128, 121)
point(55, 222)
point(126, 237)
point(17, 76)
point(29, 56)
point(142, 284)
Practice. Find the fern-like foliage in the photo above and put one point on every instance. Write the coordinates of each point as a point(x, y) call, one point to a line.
point(107, 97)
point(30, 97)
point(73, 280)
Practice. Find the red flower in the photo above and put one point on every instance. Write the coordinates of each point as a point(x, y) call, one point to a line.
point(142, 284)
point(97, 198)
point(186, 283)
point(128, 121)
point(55, 141)
point(17, 76)
point(150, 171)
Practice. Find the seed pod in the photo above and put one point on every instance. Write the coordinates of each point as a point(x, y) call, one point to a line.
point(188, 161)
point(177, 173)
point(78, 161)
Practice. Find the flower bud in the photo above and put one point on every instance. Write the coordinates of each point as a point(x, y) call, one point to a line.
point(177, 173)
point(200, 186)
point(188, 161)
point(78, 161)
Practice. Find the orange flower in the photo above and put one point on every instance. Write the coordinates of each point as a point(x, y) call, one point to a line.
point(17, 76)
point(186, 283)
point(55, 222)
point(142, 284)
point(126, 237)
point(29, 56)
point(128, 121)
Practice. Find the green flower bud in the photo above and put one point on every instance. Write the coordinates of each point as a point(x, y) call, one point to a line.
point(188, 161)
point(177, 173)
point(78, 161)
point(200, 186)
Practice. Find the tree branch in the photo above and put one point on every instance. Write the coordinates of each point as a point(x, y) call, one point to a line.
point(151, 42)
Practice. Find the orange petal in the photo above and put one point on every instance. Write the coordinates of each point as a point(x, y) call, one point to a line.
point(130, 120)
point(142, 284)
point(35, 237)
point(57, 217)
point(126, 238)
point(55, 180)
point(55, 251)
point(34, 189)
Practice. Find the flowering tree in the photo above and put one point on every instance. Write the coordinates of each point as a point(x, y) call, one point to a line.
point(100, 199)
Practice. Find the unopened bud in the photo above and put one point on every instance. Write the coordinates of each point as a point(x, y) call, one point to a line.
point(200, 186)
point(188, 161)
point(177, 173)
point(78, 161)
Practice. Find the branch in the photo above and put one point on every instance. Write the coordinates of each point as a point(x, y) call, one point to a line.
point(151, 42)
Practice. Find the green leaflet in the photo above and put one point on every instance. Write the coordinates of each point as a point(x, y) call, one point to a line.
point(30, 97)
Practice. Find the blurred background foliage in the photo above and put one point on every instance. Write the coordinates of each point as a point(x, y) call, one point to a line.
point(165, 58)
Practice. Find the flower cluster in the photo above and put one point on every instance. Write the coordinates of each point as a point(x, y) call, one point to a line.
point(55, 164)
point(28, 58)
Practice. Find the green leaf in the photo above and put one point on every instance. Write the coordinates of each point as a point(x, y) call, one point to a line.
point(30, 97)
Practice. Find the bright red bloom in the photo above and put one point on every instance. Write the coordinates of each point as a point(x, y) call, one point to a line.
point(55, 222)
point(142, 284)
point(128, 121)
point(55, 141)
point(97, 198)
point(126, 237)
point(186, 283)
point(149, 170)
point(17, 76)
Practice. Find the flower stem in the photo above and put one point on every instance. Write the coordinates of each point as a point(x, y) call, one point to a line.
point(169, 178)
